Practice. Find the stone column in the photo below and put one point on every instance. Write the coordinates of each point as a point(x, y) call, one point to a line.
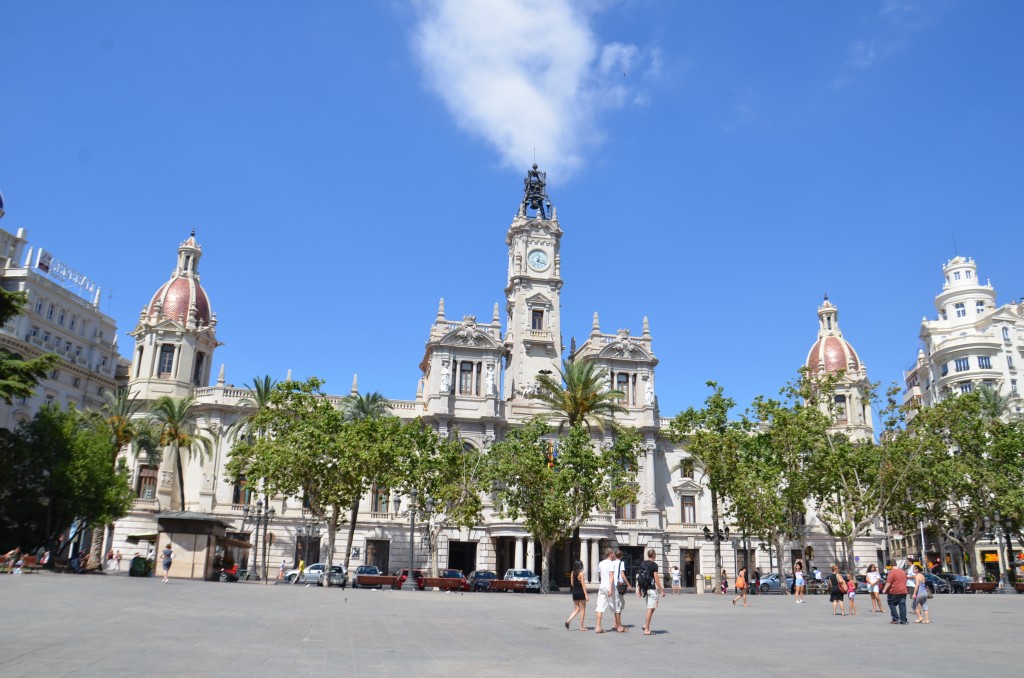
point(531, 552)
point(595, 558)
point(585, 558)
point(519, 553)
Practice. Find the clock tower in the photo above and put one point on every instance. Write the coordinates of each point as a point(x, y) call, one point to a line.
point(533, 338)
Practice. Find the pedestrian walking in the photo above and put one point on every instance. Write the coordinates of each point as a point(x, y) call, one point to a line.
point(896, 589)
point(110, 559)
point(757, 582)
point(579, 595)
point(725, 583)
point(167, 555)
point(799, 583)
point(621, 588)
point(117, 559)
point(302, 571)
point(920, 603)
point(280, 572)
point(677, 587)
point(837, 589)
point(873, 579)
point(851, 593)
point(605, 584)
point(649, 587)
point(741, 586)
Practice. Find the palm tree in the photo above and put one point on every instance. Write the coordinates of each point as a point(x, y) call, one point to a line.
point(354, 407)
point(993, 404)
point(584, 399)
point(581, 397)
point(178, 423)
point(257, 402)
point(117, 412)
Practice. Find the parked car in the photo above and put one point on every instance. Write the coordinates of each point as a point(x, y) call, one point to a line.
point(958, 583)
point(403, 575)
point(480, 580)
point(773, 582)
point(531, 579)
point(455, 574)
point(367, 570)
point(862, 583)
point(313, 573)
point(936, 584)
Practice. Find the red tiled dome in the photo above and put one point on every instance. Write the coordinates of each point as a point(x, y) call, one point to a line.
point(834, 353)
point(177, 296)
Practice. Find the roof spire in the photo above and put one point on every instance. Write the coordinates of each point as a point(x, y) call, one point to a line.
point(440, 309)
point(220, 375)
point(596, 327)
point(535, 195)
point(355, 384)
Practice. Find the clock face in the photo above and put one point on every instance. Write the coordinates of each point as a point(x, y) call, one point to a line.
point(538, 260)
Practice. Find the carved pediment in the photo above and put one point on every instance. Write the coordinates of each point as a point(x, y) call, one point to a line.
point(686, 486)
point(538, 299)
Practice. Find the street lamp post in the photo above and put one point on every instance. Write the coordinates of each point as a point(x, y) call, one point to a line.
point(257, 518)
point(396, 500)
point(719, 537)
point(1005, 527)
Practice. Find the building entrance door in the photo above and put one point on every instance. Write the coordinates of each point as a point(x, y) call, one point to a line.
point(632, 558)
point(378, 552)
point(462, 556)
point(690, 568)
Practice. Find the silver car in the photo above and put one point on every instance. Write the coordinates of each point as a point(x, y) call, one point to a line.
point(314, 574)
point(531, 579)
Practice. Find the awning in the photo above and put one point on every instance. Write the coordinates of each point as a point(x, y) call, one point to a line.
point(136, 538)
point(234, 542)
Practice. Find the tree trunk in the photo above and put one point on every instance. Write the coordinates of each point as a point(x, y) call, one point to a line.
point(97, 560)
point(351, 530)
point(717, 542)
point(332, 531)
point(848, 545)
point(181, 478)
point(545, 569)
point(782, 571)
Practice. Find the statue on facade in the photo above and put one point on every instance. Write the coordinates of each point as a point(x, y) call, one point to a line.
point(489, 380)
point(446, 377)
point(649, 392)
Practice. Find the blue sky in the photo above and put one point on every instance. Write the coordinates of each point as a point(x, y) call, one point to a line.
point(716, 167)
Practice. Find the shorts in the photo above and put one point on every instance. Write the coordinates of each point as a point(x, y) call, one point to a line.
point(620, 602)
point(920, 602)
point(874, 589)
point(851, 593)
point(800, 581)
point(652, 598)
point(675, 583)
point(603, 600)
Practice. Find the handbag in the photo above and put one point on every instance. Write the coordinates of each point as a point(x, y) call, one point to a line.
point(621, 586)
point(841, 581)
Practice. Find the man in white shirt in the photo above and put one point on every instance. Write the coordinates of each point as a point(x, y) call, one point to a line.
point(605, 591)
point(620, 598)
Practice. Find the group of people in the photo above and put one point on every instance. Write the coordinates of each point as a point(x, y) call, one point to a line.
point(843, 588)
point(612, 589)
point(113, 560)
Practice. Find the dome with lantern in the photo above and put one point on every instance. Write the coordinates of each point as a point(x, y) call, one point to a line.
point(177, 297)
point(831, 353)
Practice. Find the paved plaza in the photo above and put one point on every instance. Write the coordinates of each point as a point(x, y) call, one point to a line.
point(95, 625)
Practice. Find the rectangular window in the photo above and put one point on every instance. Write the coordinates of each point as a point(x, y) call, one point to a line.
point(60, 317)
point(35, 331)
point(77, 382)
point(968, 274)
point(942, 314)
point(841, 408)
point(945, 369)
point(687, 466)
point(197, 373)
point(979, 307)
point(49, 312)
point(689, 510)
point(626, 512)
point(1006, 334)
point(966, 387)
point(147, 483)
point(1013, 387)
point(39, 307)
point(956, 275)
point(71, 326)
point(466, 378)
point(1009, 361)
point(963, 364)
point(537, 320)
point(984, 362)
point(242, 493)
point(67, 347)
point(961, 310)
point(166, 360)
point(378, 500)
point(622, 384)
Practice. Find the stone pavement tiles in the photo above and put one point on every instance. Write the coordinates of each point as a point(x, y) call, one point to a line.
point(109, 625)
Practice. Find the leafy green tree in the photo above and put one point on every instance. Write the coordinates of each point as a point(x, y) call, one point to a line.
point(19, 377)
point(555, 484)
point(853, 484)
point(375, 467)
point(181, 429)
point(714, 443)
point(973, 466)
point(254, 404)
point(57, 469)
point(453, 475)
point(581, 395)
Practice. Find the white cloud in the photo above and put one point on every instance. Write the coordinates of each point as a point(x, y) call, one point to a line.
point(525, 75)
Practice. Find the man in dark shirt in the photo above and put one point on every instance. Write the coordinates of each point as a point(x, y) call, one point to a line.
point(896, 587)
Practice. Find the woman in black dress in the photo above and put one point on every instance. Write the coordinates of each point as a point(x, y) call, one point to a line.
point(836, 593)
point(579, 595)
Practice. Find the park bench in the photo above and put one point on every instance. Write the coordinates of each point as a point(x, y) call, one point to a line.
point(374, 580)
point(443, 583)
point(981, 587)
point(507, 585)
point(1019, 586)
point(31, 565)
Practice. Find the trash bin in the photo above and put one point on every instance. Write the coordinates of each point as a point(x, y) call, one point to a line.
point(138, 567)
